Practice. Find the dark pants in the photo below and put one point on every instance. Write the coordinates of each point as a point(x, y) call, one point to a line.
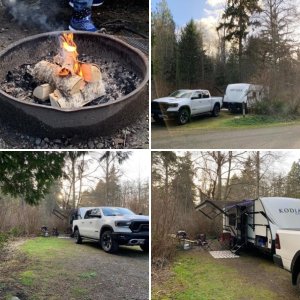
point(82, 4)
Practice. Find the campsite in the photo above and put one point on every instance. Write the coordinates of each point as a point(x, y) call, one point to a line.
point(215, 219)
point(39, 256)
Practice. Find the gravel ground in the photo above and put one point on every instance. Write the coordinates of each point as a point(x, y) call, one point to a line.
point(119, 17)
point(83, 272)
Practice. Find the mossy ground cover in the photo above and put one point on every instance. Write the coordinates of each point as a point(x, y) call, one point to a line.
point(198, 276)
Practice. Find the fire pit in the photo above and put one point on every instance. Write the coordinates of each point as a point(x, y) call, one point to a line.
point(124, 73)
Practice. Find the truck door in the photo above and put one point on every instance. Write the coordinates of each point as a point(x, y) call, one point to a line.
point(206, 102)
point(83, 223)
point(197, 103)
point(93, 228)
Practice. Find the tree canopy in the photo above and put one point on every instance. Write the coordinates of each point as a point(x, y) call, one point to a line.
point(29, 174)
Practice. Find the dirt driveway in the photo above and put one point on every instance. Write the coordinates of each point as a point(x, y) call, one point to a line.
point(53, 268)
point(279, 137)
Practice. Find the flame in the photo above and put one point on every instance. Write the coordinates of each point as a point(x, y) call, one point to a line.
point(71, 65)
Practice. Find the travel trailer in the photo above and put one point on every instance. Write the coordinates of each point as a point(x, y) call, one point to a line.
point(255, 222)
point(239, 93)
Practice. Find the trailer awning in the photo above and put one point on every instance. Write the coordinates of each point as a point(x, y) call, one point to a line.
point(245, 203)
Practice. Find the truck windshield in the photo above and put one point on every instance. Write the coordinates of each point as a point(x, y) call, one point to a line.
point(116, 211)
point(186, 95)
point(178, 94)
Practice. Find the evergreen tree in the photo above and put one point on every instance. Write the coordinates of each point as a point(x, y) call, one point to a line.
point(293, 181)
point(29, 175)
point(191, 57)
point(236, 21)
point(183, 185)
point(163, 49)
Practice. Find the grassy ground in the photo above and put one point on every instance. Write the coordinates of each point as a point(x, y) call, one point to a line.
point(52, 268)
point(227, 120)
point(196, 275)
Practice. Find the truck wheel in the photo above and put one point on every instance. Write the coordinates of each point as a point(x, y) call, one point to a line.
point(183, 116)
point(78, 239)
point(145, 247)
point(107, 242)
point(216, 111)
point(298, 282)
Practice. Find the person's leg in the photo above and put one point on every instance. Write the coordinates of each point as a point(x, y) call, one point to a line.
point(82, 4)
point(94, 2)
point(81, 19)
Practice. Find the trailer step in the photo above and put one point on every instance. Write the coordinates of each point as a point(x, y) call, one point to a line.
point(236, 248)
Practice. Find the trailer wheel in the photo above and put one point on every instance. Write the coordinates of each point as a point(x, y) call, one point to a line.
point(78, 239)
point(216, 111)
point(108, 244)
point(183, 116)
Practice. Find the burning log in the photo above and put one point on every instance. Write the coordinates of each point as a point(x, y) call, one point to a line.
point(48, 72)
point(74, 83)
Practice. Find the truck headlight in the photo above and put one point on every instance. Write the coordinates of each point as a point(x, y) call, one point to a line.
point(173, 105)
point(123, 223)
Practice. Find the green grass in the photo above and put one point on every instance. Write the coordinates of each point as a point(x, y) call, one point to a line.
point(88, 275)
point(200, 277)
point(28, 277)
point(45, 247)
point(227, 120)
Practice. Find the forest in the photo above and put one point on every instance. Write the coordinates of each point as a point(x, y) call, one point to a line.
point(43, 188)
point(257, 42)
point(181, 180)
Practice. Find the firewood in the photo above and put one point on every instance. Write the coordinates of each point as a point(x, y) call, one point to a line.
point(91, 73)
point(42, 91)
point(48, 72)
point(54, 97)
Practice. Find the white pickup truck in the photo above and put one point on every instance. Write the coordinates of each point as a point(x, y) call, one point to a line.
point(287, 255)
point(111, 227)
point(184, 104)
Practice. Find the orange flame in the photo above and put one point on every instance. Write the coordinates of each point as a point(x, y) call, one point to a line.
point(72, 65)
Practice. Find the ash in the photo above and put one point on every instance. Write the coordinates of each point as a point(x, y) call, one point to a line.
point(119, 80)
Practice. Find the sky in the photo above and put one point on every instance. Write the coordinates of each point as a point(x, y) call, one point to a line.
point(206, 13)
point(137, 165)
point(183, 11)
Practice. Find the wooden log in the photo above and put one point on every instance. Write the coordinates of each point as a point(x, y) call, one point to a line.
point(48, 72)
point(90, 72)
point(43, 91)
point(54, 97)
point(90, 92)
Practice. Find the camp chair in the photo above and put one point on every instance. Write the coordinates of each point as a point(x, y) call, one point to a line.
point(202, 242)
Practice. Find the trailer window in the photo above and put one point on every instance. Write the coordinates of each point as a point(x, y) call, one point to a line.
point(232, 218)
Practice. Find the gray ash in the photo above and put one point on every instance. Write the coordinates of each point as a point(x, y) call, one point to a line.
point(119, 80)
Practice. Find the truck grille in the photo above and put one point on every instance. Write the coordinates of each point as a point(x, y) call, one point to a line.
point(139, 226)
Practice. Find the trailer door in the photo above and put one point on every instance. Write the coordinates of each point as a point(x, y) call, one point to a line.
point(210, 209)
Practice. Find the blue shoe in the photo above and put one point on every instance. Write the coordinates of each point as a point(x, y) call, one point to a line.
point(84, 24)
point(98, 2)
point(95, 2)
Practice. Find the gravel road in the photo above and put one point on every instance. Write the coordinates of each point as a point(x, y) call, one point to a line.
point(278, 137)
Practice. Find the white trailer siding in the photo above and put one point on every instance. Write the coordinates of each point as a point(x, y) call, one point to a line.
point(264, 217)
